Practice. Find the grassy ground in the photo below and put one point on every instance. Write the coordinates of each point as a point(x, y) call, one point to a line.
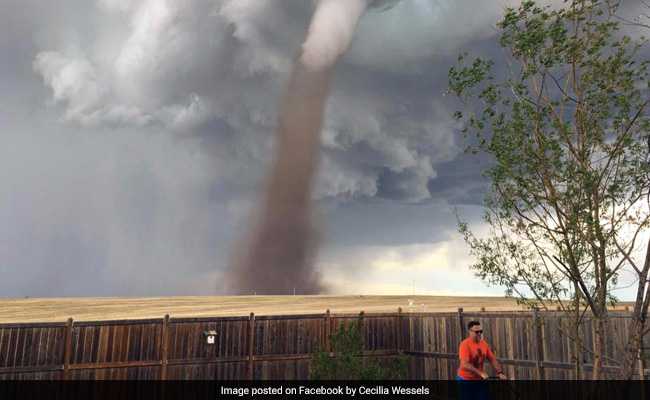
point(86, 309)
point(91, 309)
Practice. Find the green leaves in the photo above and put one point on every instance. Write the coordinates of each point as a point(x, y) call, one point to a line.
point(347, 363)
point(566, 125)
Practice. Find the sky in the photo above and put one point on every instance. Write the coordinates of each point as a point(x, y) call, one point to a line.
point(136, 136)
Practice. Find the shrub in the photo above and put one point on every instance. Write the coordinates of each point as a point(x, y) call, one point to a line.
point(347, 362)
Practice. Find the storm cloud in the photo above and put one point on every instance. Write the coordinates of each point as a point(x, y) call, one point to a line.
point(136, 135)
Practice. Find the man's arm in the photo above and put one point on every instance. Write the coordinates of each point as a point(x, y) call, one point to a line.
point(467, 366)
point(496, 364)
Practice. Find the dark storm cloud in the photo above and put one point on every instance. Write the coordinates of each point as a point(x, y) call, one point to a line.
point(135, 135)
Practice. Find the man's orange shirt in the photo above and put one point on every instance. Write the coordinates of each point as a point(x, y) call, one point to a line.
point(475, 354)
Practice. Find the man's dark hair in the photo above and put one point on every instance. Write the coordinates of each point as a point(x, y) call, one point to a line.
point(472, 323)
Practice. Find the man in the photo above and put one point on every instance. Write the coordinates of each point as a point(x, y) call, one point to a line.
point(472, 354)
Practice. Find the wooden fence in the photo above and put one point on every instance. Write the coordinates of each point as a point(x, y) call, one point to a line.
point(531, 345)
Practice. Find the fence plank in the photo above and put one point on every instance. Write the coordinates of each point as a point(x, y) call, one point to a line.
point(539, 345)
point(398, 331)
point(67, 352)
point(328, 332)
point(164, 351)
point(251, 345)
point(362, 331)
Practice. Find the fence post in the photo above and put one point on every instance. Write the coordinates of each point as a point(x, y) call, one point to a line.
point(67, 350)
point(164, 348)
point(362, 332)
point(539, 345)
point(398, 331)
point(251, 345)
point(328, 332)
point(461, 324)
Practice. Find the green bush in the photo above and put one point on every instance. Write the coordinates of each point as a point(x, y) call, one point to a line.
point(347, 362)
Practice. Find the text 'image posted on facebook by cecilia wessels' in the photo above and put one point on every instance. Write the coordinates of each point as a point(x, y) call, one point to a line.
point(323, 390)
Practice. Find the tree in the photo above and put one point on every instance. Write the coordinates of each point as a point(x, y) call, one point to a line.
point(567, 127)
point(347, 362)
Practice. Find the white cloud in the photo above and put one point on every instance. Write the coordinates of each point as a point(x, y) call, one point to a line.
point(416, 30)
point(73, 81)
point(116, 5)
point(184, 118)
point(153, 29)
point(76, 83)
point(440, 268)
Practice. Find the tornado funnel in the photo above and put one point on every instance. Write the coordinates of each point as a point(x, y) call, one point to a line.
point(278, 256)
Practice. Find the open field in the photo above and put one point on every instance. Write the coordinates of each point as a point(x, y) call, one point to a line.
point(90, 309)
point(87, 309)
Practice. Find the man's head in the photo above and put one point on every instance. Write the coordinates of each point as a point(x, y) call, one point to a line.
point(475, 331)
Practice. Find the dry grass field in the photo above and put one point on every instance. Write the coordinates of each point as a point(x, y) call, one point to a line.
point(93, 309)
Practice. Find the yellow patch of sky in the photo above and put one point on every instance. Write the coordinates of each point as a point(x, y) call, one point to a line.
point(413, 257)
point(424, 269)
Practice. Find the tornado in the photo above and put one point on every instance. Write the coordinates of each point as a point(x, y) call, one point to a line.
point(277, 257)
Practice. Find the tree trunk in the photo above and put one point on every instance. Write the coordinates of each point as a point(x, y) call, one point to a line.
point(599, 347)
point(577, 351)
point(639, 317)
point(577, 343)
point(632, 348)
